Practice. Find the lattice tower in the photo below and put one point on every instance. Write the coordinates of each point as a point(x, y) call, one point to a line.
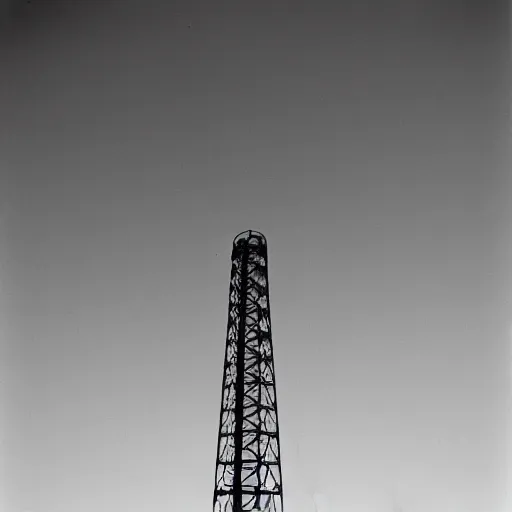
point(248, 465)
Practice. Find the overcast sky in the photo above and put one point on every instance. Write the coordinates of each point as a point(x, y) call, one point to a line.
point(365, 139)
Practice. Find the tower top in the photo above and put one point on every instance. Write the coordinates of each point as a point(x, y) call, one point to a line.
point(250, 234)
point(253, 240)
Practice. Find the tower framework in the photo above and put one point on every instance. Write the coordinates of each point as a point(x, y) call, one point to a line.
point(248, 465)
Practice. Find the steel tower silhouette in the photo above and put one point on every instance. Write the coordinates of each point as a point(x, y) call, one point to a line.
point(248, 465)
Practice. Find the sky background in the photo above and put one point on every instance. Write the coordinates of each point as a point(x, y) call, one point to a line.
point(365, 139)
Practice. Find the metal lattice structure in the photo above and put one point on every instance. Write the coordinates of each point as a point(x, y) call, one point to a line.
point(248, 466)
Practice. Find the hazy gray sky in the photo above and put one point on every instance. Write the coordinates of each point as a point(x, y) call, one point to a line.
point(366, 140)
